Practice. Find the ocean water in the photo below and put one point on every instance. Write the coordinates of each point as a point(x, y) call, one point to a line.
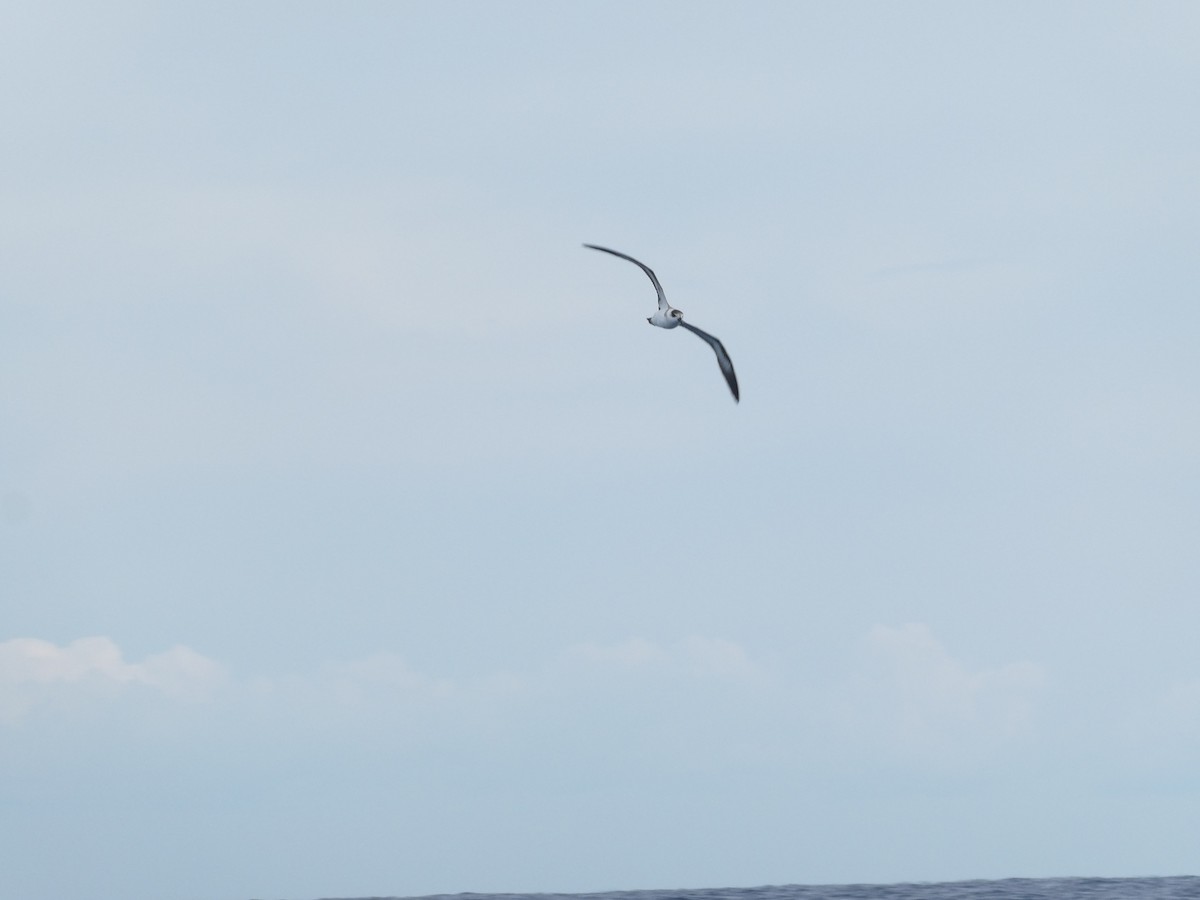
point(1182, 888)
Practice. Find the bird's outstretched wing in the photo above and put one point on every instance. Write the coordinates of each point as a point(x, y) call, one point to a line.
point(723, 359)
point(662, 297)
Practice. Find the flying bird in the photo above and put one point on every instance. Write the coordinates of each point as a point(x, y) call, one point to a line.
point(669, 317)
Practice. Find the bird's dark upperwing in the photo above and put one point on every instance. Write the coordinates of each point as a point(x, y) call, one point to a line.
point(662, 297)
point(723, 359)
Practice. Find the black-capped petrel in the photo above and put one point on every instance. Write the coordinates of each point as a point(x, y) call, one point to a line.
point(668, 317)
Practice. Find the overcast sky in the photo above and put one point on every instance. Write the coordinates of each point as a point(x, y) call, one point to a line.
point(359, 537)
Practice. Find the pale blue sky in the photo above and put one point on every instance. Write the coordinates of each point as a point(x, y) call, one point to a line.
point(358, 536)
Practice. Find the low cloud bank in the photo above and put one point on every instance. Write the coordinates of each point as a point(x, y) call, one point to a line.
point(35, 672)
point(911, 693)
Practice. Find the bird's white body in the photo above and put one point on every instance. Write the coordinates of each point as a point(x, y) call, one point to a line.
point(666, 318)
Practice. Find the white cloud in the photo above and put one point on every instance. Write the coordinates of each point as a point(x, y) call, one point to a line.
point(630, 653)
point(37, 674)
point(182, 673)
point(916, 697)
point(911, 698)
point(34, 672)
point(694, 656)
point(380, 681)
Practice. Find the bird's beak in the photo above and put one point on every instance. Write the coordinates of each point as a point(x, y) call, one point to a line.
point(649, 320)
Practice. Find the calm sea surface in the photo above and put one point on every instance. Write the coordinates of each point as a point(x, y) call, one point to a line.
point(1184, 888)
